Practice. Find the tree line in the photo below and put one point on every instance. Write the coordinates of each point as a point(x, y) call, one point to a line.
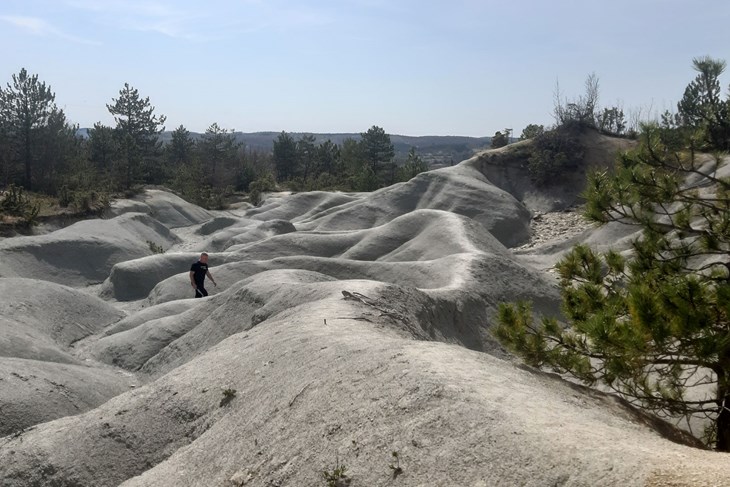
point(41, 151)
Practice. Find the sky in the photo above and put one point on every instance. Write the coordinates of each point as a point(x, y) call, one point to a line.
point(451, 67)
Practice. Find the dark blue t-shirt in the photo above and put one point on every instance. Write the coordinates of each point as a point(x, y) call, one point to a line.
point(199, 270)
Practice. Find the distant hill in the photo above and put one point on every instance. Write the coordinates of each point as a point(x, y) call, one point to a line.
point(434, 149)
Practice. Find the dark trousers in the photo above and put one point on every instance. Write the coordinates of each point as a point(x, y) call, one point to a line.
point(200, 291)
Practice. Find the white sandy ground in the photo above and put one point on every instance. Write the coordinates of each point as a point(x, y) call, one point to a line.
point(350, 326)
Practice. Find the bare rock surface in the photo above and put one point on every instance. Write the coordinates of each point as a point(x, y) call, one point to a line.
point(459, 189)
point(165, 207)
point(312, 388)
point(41, 378)
point(83, 253)
point(42, 315)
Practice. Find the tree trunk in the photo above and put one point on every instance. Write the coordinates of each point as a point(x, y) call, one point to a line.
point(723, 426)
point(129, 170)
point(27, 156)
point(723, 418)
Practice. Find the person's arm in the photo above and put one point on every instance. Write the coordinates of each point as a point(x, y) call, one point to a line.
point(211, 278)
point(192, 280)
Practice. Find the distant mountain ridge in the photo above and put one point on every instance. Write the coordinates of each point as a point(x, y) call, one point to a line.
point(434, 149)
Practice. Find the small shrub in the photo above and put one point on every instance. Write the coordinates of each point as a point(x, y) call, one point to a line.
point(65, 196)
point(337, 476)
point(82, 201)
point(324, 182)
point(256, 188)
point(254, 196)
point(215, 201)
point(94, 202)
point(365, 180)
point(15, 202)
point(552, 154)
point(156, 249)
point(209, 198)
point(228, 395)
point(296, 184)
point(30, 217)
point(395, 464)
point(133, 191)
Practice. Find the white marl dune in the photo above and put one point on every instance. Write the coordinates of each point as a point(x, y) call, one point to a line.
point(349, 325)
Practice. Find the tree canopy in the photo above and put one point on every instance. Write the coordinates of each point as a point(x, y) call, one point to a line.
point(702, 107)
point(532, 130)
point(138, 130)
point(377, 148)
point(499, 140)
point(652, 323)
point(26, 107)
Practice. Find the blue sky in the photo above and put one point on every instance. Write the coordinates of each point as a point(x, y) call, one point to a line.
point(456, 67)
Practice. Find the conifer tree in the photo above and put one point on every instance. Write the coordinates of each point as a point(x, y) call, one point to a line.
point(652, 324)
point(377, 148)
point(286, 157)
point(307, 155)
point(329, 159)
point(218, 152)
point(181, 148)
point(414, 165)
point(25, 108)
point(702, 108)
point(138, 130)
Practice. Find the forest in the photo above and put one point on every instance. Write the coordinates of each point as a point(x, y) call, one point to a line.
point(42, 152)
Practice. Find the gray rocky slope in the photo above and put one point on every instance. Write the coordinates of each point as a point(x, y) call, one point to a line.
point(349, 325)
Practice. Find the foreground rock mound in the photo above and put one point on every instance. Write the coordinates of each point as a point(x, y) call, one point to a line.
point(319, 383)
point(41, 378)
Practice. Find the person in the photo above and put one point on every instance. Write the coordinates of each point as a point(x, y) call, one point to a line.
point(198, 272)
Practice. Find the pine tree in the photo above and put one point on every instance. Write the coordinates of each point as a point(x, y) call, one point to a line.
point(329, 158)
point(138, 131)
point(702, 107)
point(103, 147)
point(218, 153)
point(531, 131)
point(181, 148)
point(286, 158)
point(25, 108)
point(414, 165)
point(377, 149)
point(654, 324)
point(500, 139)
point(307, 156)
point(58, 147)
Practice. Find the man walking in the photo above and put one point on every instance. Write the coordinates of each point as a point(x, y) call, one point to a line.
point(198, 271)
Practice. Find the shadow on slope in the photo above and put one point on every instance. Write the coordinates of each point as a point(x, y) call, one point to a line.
point(84, 252)
point(40, 377)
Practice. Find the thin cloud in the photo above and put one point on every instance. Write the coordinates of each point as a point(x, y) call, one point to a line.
point(201, 21)
point(157, 17)
point(115, 7)
point(40, 27)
